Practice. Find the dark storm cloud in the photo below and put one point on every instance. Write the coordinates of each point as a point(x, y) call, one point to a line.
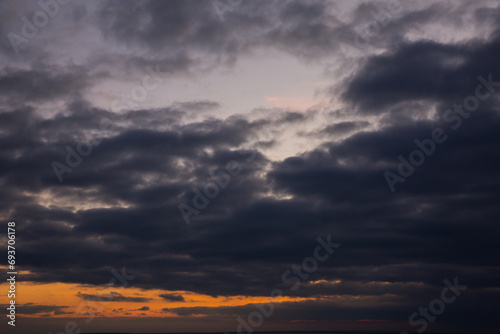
point(337, 189)
point(343, 127)
point(423, 71)
point(164, 27)
point(320, 309)
point(307, 310)
point(119, 207)
point(144, 308)
point(146, 151)
point(172, 297)
point(158, 22)
point(37, 85)
point(112, 297)
point(308, 29)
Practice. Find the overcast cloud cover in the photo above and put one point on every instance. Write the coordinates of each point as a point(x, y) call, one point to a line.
point(312, 101)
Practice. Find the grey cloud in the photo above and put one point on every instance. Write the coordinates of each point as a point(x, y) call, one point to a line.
point(37, 85)
point(172, 297)
point(112, 297)
point(343, 127)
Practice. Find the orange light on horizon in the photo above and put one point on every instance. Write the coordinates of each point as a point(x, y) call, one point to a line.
point(78, 300)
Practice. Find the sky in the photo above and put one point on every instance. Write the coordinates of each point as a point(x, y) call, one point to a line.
point(250, 165)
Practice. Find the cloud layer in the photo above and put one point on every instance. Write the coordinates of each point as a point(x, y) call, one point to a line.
point(112, 198)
